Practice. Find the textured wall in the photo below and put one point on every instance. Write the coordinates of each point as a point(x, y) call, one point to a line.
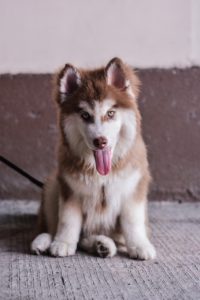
point(170, 107)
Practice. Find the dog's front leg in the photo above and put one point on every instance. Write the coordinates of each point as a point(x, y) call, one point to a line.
point(135, 232)
point(68, 229)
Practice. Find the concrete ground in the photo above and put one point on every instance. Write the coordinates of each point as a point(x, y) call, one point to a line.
point(175, 274)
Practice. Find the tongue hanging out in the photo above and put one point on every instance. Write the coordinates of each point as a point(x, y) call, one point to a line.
point(103, 160)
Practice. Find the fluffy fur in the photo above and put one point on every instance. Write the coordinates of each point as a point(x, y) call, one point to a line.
point(97, 197)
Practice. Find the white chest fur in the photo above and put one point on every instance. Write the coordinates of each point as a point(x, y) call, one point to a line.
point(115, 189)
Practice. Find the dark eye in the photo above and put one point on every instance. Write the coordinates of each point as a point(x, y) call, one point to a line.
point(85, 115)
point(111, 114)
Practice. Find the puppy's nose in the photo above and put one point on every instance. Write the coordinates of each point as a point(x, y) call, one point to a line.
point(100, 142)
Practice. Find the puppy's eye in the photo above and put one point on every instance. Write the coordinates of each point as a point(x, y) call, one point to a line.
point(85, 115)
point(110, 114)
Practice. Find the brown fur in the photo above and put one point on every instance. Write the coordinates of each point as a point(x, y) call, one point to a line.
point(75, 209)
point(101, 206)
point(94, 88)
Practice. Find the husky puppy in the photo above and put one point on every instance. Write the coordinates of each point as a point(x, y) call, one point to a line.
point(98, 195)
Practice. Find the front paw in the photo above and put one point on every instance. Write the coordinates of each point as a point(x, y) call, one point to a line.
point(143, 250)
point(62, 249)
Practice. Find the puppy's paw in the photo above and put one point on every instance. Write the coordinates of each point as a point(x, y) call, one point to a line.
point(143, 251)
point(105, 247)
point(62, 249)
point(41, 243)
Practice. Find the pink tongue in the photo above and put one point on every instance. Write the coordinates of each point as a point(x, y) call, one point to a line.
point(103, 161)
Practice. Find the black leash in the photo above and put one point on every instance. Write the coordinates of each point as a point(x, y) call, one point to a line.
point(22, 172)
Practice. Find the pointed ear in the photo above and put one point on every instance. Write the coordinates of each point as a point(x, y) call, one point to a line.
point(69, 81)
point(115, 74)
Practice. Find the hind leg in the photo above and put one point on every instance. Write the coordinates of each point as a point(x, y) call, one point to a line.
point(101, 245)
point(120, 242)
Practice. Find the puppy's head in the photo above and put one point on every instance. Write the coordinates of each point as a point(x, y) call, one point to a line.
point(98, 111)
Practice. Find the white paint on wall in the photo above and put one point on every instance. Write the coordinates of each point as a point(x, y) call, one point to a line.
point(39, 36)
point(195, 33)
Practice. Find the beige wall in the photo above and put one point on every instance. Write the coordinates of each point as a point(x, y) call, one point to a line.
point(39, 35)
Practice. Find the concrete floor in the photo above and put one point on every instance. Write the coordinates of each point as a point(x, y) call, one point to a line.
point(175, 274)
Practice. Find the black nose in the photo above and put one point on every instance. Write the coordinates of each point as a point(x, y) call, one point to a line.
point(100, 142)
